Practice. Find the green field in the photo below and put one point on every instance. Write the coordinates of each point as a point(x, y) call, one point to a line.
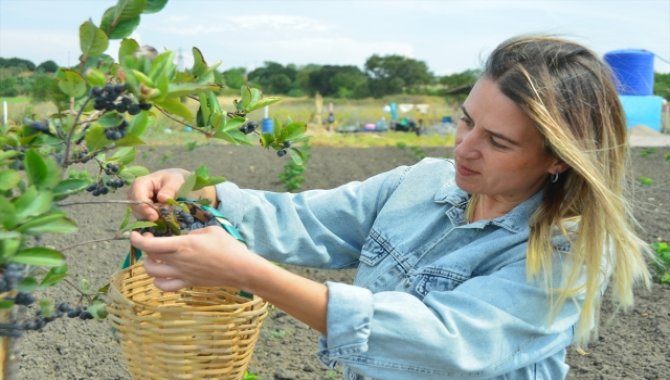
point(346, 112)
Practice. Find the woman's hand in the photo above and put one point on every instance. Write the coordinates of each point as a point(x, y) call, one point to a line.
point(205, 257)
point(160, 186)
point(156, 187)
point(211, 257)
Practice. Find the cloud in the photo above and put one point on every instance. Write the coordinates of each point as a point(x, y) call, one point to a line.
point(260, 24)
point(40, 45)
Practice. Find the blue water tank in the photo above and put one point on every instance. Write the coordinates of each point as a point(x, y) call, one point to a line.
point(267, 125)
point(643, 110)
point(633, 70)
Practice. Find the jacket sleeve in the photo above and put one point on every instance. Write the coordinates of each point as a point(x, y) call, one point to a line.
point(317, 228)
point(486, 327)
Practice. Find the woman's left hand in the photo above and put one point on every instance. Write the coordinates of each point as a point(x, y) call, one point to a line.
point(204, 257)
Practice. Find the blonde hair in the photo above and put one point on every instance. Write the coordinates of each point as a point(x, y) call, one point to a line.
point(568, 93)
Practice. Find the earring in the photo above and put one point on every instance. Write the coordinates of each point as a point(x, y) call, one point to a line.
point(554, 177)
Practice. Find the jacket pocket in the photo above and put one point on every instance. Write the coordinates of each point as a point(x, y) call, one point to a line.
point(439, 279)
point(375, 249)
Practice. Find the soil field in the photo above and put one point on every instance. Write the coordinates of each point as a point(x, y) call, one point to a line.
point(632, 346)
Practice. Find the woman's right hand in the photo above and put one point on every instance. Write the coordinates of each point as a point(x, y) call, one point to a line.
point(156, 187)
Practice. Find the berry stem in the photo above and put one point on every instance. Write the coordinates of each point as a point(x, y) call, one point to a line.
point(75, 245)
point(70, 135)
point(196, 128)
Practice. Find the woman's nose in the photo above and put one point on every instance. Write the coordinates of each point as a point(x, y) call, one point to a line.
point(465, 144)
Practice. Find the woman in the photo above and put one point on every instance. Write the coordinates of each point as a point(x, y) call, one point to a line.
point(485, 267)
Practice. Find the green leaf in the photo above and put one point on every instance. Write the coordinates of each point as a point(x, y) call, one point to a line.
point(126, 218)
point(209, 181)
point(294, 130)
point(124, 28)
point(138, 124)
point(9, 179)
point(129, 9)
point(139, 224)
point(71, 82)
point(27, 285)
point(154, 6)
point(187, 186)
point(54, 276)
point(95, 77)
point(261, 103)
point(36, 167)
point(124, 155)
point(98, 309)
point(175, 107)
point(7, 155)
point(68, 187)
point(32, 203)
point(55, 222)
point(9, 247)
point(184, 89)
point(39, 256)
point(127, 49)
point(9, 235)
point(645, 181)
point(199, 64)
point(162, 66)
point(111, 119)
point(95, 138)
point(92, 40)
point(6, 304)
point(84, 285)
point(296, 156)
point(129, 173)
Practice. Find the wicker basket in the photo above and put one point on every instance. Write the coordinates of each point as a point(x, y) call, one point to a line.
point(195, 333)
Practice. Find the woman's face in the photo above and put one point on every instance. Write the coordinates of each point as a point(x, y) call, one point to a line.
point(499, 153)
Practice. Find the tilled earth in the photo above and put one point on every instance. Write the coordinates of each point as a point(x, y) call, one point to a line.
point(632, 346)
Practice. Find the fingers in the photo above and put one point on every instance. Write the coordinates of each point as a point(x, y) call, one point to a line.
point(159, 269)
point(150, 244)
point(169, 184)
point(170, 284)
point(155, 187)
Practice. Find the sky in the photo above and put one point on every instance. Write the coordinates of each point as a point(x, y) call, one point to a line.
point(450, 36)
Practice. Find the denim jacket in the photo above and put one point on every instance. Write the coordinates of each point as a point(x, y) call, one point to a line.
point(434, 297)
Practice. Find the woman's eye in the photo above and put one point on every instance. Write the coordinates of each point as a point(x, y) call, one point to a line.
point(495, 143)
point(466, 121)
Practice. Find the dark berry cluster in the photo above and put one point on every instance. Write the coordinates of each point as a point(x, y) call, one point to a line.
point(112, 97)
point(282, 152)
point(117, 132)
point(190, 219)
point(111, 169)
point(113, 182)
point(12, 274)
point(9, 278)
point(249, 127)
point(39, 320)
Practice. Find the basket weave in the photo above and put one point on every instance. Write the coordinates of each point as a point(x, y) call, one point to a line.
point(195, 333)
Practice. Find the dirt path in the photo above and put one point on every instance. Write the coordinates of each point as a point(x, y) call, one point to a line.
point(633, 346)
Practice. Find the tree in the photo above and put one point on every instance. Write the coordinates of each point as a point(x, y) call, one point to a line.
point(662, 85)
point(338, 81)
point(235, 77)
point(22, 64)
point(395, 74)
point(274, 78)
point(47, 67)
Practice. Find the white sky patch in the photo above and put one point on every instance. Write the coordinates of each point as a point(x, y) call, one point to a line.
point(59, 47)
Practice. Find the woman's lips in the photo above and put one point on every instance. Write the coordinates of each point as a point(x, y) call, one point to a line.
point(465, 171)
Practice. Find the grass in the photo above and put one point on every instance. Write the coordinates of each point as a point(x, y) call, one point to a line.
point(168, 132)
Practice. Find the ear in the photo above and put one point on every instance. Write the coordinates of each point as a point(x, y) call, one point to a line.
point(557, 166)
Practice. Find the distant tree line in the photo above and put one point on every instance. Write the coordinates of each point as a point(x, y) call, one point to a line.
point(379, 77)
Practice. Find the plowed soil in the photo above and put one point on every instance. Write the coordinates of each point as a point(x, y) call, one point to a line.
point(632, 346)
